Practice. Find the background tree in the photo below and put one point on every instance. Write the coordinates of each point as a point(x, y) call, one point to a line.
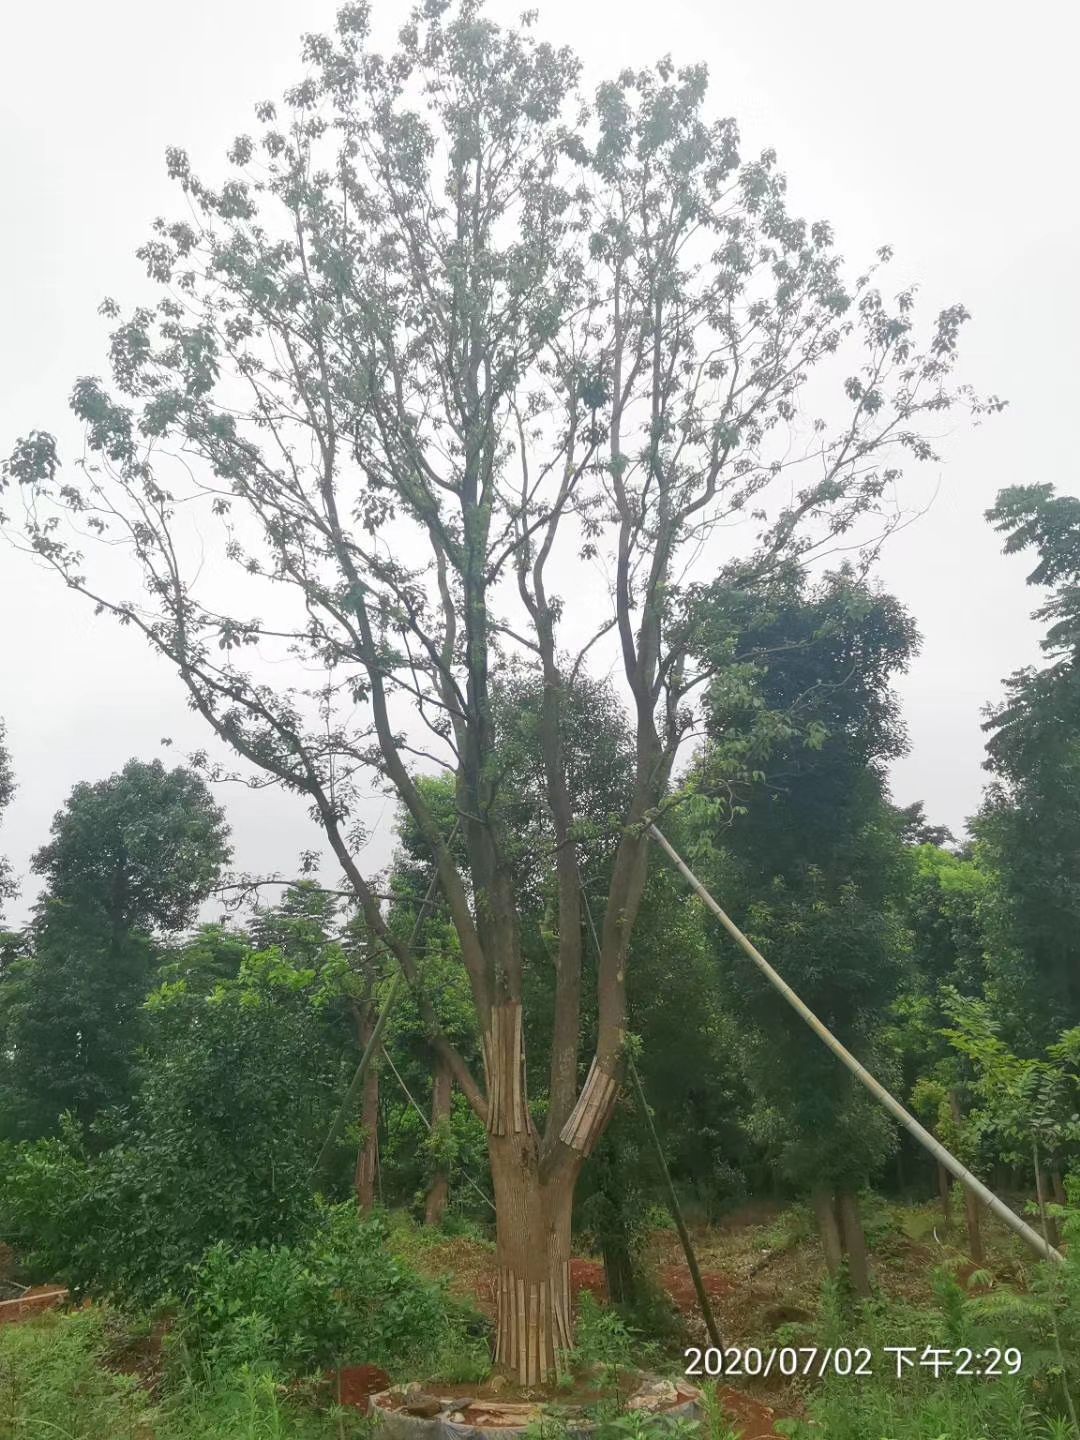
point(1028, 827)
point(7, 790)
point(454, 331)
point(813, 861)
point(943, 904)
point(131, 856)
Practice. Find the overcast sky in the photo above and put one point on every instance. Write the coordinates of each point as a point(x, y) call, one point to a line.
point(944, 129)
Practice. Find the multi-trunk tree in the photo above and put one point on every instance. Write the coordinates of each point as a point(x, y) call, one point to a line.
point(466, 368)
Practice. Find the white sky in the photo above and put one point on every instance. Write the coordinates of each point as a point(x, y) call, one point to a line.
point(942, 128)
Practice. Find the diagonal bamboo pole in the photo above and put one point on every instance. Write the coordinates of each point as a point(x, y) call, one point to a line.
point(1031, 1237)
point(704, 1303)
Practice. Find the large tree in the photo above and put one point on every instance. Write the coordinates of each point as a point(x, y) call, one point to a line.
point(815, 864)
point(1028, 827)
point(131, 858)
point(453, 340)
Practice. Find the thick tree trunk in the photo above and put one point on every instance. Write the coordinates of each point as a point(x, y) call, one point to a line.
point(367, 1158)
point(441, 1095)
point(532, 1252)
point(828, 1225)
point(854, 1244)
point(533, 1204)
point(1057, 1186)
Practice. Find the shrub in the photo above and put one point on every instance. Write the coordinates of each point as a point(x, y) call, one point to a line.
point(200, 1157)
point(339, 1297)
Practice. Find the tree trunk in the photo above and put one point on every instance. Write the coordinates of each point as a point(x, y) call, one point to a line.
point(367, 1158)
point(533, 1205)
point(974, 1227)
point(1053, 1234)
point(971, 1205)
point(619, 1267)
point(1057, 1187)
point(944, 1182)
point(532, 1252)
point(854, 1244)
point(831, 1243)
point(441, 1095)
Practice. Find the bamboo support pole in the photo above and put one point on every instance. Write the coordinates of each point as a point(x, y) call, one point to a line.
point(1031, 1237)
point(676, 1209)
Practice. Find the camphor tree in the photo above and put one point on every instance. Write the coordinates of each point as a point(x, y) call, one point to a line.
point(452, 340)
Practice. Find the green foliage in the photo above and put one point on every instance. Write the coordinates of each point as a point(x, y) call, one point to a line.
point(1020, 1101)
point(338, 1297)
point(144, 846)
point(814, 861)
point(943, 907)
point(203, 1154)
point(602, 1336)
point(74, 1012)
point(922, 1410)
point(60, 1376)
point(130, 855)
point(1029, 821)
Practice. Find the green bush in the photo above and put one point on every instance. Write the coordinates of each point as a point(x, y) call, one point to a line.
point(202, 1156)
point(339, 1297)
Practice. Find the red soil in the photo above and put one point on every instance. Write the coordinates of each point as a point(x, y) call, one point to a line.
point(588, 1275)
point(755, 1420)
point(677, 1281)
point(33, 1302)
point(359, 1383)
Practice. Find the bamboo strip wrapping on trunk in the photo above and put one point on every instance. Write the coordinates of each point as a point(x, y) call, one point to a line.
point(592, 1111)
point(545, 1328)
point(522, 1335)
point(562, 1301)
point(488, 1072)
point(504, 1065)
point(503, 1313)
point(511, 1308)
point(515, 1046)
point(534, 1332)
